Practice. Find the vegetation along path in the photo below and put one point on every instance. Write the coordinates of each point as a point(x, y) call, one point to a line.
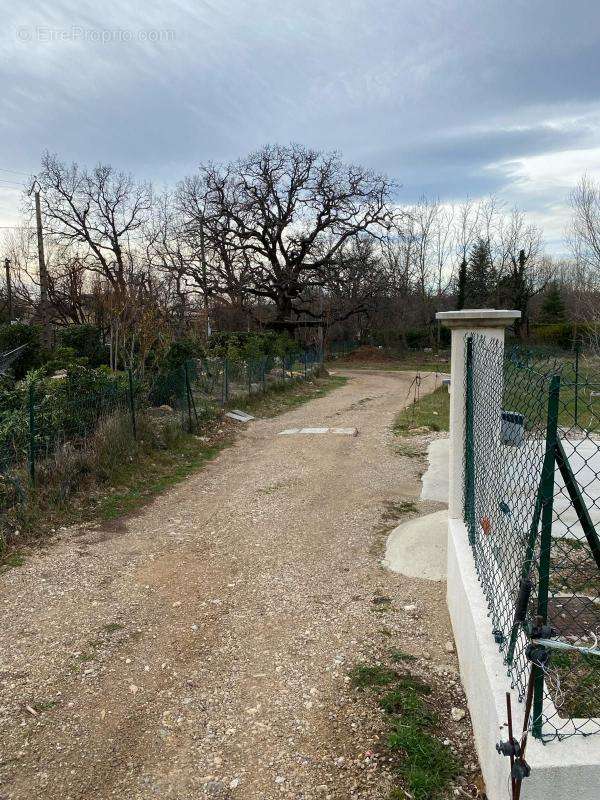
point(205, 646)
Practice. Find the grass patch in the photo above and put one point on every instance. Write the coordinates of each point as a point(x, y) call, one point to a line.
point(431, 411)
point(364, 676)
point(399, 656)
point(140, 482)
point(282, 397)
point(113, 627)
point(579, 677)
point(44, 705)
point(573, 568)
point(394, 511)
point(427, 766)
point(424, 765)
point(408, 450)
point(13, 559)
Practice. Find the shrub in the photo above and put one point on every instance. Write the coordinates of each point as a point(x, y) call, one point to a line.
point(65, 408)
point(64, 358)
point(242, 345)
point(13, 336)
point(112, 443)
point(86, 342)
point(180, 351)
point(416, 338)
point(561, 334)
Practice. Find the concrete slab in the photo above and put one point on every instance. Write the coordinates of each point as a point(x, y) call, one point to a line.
point(417, 548)
point(289, 432)
point(239, 416)
point(436, 480)
point(345, 431)
point(314, 430)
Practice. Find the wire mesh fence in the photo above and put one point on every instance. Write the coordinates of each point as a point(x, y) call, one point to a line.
point(41, 418)
point(532, 507)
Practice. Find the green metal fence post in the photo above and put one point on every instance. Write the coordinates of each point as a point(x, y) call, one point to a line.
point(225, 393)
point(249, 377)
point(188, 395)
point(31, 401)
point(132, 403)
point(469, 477)
point(263, 374)
point(305, 358)
point(547, 497)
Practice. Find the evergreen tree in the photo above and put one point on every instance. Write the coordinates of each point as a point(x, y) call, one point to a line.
point(553, 308)
point(480, 279)
point(461, 285)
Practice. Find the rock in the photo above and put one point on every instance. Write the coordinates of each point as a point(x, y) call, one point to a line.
point(234, 783)
point(215, 788)
point(457, 714)
point(449, 647)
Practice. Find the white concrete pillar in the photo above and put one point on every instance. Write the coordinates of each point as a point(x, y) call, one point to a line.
point(490, 322)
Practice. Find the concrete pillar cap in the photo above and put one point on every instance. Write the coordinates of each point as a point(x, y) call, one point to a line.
point(478, 318)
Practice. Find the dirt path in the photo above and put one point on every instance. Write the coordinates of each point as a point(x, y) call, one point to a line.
point(201, 648)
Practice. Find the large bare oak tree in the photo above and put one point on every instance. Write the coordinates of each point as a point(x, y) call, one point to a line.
point(278, 221)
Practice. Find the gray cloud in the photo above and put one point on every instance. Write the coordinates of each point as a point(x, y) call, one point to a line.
point(430, 92)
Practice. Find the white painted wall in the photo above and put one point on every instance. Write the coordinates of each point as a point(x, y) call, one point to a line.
point(561, 770)
point(565, 770)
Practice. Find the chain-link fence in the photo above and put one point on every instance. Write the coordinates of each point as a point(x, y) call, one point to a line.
point(532, 508)
point(46, 418)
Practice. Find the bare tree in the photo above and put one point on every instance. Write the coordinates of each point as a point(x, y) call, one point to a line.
point(99, 214)
point(521, 272)
point(279, 219)
point(584, 232)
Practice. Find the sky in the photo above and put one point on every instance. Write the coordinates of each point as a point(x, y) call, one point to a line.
point(452, 99)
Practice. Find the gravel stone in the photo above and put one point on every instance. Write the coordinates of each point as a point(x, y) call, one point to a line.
point(202, 646)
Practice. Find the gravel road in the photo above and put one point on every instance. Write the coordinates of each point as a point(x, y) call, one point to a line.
point(201, 648)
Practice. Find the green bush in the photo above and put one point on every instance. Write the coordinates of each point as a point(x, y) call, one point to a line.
point(86, 342)
point(17, 334)
point(64, 358)
point(417, 338)
point(243, 345)
point(65, 408)
point(561, 334)
point(179, 352)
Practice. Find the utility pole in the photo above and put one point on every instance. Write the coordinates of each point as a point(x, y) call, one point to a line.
point(321, 326)
point(8, 289)
point(46, 335)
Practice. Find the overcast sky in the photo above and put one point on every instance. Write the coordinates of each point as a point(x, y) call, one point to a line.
point(452, 98)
